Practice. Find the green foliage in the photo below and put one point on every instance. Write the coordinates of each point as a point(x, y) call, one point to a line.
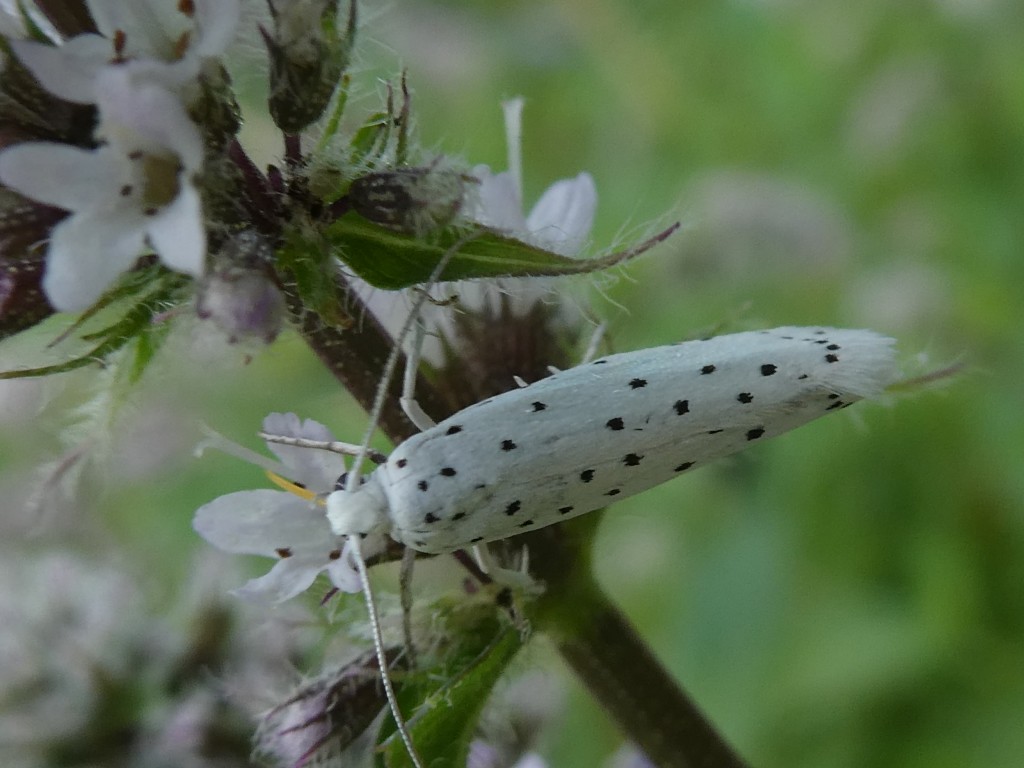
point(442, 716)
point(136, 300)
point(394, 260)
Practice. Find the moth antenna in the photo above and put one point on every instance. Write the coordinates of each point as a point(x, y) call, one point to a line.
point(353, 481)
point(378, 649)
point(334, 446)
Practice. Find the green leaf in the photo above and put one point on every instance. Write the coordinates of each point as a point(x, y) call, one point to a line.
point(135, 324)
point(393, 260)
point(446, 720)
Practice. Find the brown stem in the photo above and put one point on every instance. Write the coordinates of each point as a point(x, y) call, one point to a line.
point(68, 17)
point(356, 355)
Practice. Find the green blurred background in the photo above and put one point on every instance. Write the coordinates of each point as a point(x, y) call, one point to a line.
point(849, 595)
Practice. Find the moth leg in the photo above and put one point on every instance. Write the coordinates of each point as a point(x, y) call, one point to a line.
point(412, 408)
point(516, 579)
point(334, 446)
point(595, 341)
point(405, 591)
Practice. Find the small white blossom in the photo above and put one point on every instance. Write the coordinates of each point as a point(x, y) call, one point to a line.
point(282, 525)
point(138, 189)
point(155, 39)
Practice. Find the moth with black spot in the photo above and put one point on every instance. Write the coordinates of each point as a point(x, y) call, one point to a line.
point(604, 430)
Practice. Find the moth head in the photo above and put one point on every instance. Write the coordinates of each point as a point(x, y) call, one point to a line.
point(358, 512)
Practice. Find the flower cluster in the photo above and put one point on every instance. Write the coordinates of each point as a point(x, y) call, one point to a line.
point(137, 187)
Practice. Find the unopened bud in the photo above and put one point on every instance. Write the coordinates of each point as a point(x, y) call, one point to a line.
point(308, 55)
point(238, 294)
point(415, 201)
point(324, 715)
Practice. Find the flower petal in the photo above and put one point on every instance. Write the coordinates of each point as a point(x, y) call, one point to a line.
point(317, 470)
point(142, 115)
point(497, 201)
point(216, 22)
point(562, 218)
point(86, 254)
point(67, 71)
point(265, 522)
point(57, 174)
point(284, 581)
point(177, 234)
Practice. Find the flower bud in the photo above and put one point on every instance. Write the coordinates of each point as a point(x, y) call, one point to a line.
point(308, 55)
point(238, 294)
point(415, 201)
point(324, 715)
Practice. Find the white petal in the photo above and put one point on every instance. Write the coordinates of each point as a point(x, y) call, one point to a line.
point(512, 110)
point(150, 111)
point(216, 22)
point(288, 578)
point(497, 201)
point(564, 215)
point(11, 24)
point(177, 233)
point(261, 522)
point(68, 71)
point(317, 470)
point(60, 175)
point(86, 255)
point(344, 575)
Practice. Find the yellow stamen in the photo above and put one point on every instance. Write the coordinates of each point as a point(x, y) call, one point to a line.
point(295, 488)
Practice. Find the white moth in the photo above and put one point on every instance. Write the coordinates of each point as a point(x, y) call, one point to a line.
point(584, 437)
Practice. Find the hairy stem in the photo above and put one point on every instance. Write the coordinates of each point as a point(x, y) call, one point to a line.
point(356, 355)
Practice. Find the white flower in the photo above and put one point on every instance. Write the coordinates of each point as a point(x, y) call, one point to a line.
point(154, 38)
point(280, 524)
point(563, 217)
point(136, 190)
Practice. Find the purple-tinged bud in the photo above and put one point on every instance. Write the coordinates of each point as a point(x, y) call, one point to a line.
point(324, 715)
point(238, 293)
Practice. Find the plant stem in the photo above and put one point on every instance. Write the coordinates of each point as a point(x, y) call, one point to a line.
point(613, 661)
point(356, 356)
